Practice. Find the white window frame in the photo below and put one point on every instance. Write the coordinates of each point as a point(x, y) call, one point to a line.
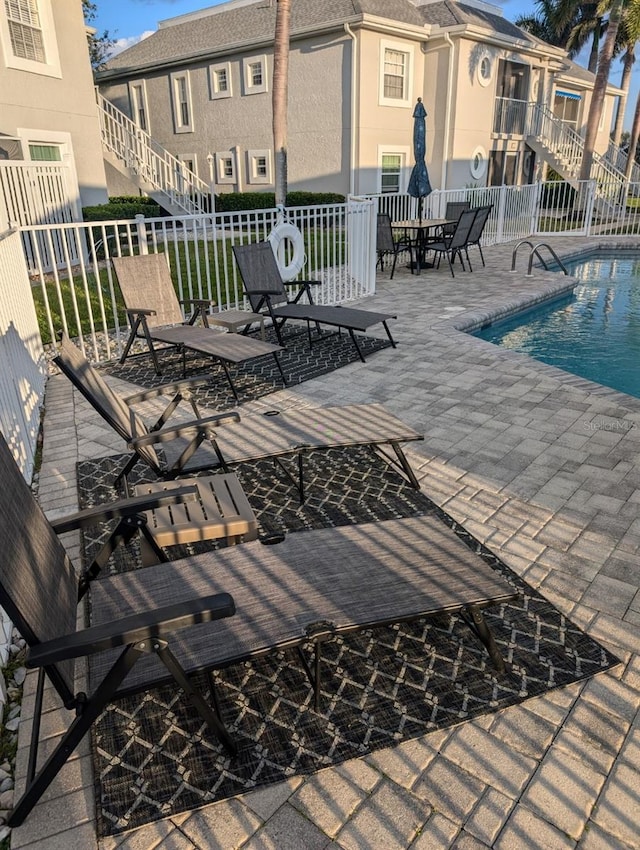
point(249, 87)
point(51, 66)
point(178, 123)
point(404, 151)
point(214, 92)
point(136, 102)
point(223, 157)
point(252, 167)
point(405, 102)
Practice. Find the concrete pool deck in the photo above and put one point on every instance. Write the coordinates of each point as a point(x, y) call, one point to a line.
point(542, 467)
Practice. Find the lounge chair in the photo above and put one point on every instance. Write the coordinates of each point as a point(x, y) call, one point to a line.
point(164, 623)
point(387, 243)
point(203, 444)
point(452, 246)
point(266, 293)
point(145, 280)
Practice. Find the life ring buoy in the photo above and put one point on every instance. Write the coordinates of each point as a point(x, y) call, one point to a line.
point(278, 236)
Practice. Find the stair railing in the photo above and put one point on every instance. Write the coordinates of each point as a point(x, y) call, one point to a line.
point(153, 164)
point(568, 147)
point(535, 252)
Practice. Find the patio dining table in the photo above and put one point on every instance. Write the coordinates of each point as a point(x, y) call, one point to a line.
point(418, 231)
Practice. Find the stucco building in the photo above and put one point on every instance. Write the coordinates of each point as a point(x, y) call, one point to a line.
point(200, 86)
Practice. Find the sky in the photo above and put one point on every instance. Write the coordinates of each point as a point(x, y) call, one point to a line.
point(130, 20)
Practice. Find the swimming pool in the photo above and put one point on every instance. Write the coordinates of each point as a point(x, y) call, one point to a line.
point(593, 333)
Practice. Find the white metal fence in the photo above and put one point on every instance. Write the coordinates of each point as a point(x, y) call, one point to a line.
point(23, 372)
point(534, 210)
point(78, 292)
point(36, 193)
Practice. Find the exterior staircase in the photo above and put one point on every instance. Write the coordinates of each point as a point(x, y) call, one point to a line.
point(561, 147)
point(618, 157)
point(149, 166)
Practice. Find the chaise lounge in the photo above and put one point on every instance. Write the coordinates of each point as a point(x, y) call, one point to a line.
point(145, 280)
point(266, 292)
point(204, 444)
point(164, 623)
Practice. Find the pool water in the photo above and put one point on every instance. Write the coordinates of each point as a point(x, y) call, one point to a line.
point(593, 333)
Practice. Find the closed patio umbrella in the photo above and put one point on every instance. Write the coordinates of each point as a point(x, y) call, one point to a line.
point(419, 184)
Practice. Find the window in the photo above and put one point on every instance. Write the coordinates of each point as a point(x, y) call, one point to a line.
point(396, 66)
point(255, 74)
point(45, 153)
point(259, 166)
point(181, 103)
point(137, 96)
point(394, 74)
point(226, 167)
point(478, 162)
point(25, 30)
point(392, 169)
point(28, 36)
point(220, 81)
point(485, 70)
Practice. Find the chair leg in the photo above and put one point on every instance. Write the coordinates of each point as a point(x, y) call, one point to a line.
point(88, 710)
point(449, 258)
point(481, 254)
point(393, 265)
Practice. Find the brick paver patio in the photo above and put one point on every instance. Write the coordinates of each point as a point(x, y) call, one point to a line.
point(541, 467)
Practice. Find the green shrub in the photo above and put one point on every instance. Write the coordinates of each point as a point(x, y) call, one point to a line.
point(236, 201)
point(122, 207)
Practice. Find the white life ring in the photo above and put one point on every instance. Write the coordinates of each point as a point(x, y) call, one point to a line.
point(277, 238)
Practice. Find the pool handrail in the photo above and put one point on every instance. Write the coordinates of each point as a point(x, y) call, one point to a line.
point(536, 252)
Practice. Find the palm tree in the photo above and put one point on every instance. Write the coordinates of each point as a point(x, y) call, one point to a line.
point(627, 40)
point(280, 97)
point(600, 84)
point(566, 23)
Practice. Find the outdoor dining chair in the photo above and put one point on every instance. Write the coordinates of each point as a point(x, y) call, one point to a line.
point(390, 244)
point(477, 229)
point(453, 211)
point(453, 246)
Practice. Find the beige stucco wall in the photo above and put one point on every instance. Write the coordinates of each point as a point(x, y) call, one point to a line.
point(61, 108)
point(383, 127)
point(319, 117)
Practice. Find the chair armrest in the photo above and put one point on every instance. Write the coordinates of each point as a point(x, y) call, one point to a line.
point(301, 282)
point(139, 311)
point(189, 430)
point(124, 508)
point(178, 386)
point(199, 302)
point(132, 629)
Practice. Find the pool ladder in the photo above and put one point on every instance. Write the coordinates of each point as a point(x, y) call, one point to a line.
point(535, 252)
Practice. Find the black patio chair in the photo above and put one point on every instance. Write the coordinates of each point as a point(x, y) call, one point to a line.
point(477, 229)
point(452, 213)
point(389, 244)
point(39, 590)
point(454, 245)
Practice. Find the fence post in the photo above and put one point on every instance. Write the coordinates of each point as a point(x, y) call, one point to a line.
point(591, 188)
point(142, 234)
point(502, 198)
point(535, 211)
